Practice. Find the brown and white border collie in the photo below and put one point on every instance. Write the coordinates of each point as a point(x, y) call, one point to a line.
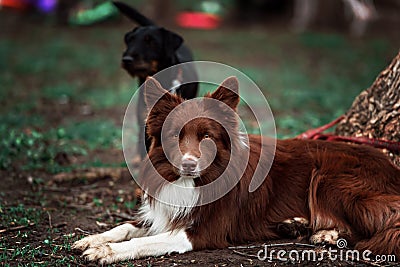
point(334, 189)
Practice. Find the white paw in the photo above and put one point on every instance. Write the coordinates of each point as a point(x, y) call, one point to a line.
point(89, 241)
point(325, 237)
point(102, 253)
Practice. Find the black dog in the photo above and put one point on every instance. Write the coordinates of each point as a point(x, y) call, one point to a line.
point(150, 49)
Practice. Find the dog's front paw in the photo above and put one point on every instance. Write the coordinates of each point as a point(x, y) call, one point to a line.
point(89, 241)
point(102, 253)
point(323, 237)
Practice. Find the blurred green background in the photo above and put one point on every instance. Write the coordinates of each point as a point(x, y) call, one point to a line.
point(63, 92)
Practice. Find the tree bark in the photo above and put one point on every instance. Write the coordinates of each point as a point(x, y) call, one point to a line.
point(375, 113)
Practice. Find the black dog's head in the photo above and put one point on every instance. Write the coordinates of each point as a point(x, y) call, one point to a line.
point(149, 49)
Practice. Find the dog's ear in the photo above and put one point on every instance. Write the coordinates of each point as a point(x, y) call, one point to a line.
point(171, 40)
point(228, 92)
point(128, 35)
point(159, 103)
point(155, 96)
point(153, 92)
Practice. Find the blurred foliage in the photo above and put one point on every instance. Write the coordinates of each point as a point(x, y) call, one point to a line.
point(94, 133)
point(30, 149)
point(119, 96)
point(309, 79)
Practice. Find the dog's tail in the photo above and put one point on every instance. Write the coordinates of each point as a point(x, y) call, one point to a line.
point(133, 14)
point(385, 242)
point(377, 218)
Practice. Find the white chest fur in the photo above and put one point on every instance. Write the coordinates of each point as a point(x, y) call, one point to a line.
point(175, 200)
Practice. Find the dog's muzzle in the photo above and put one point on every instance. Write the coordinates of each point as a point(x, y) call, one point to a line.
point(127, 60)
point(189, 167)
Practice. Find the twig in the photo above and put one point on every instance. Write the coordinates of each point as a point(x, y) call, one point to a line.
point(90, 174)
point(56, 189)
point(61, 224)
point(82, 231)
point(274, 245)
point(123, 215)
point(50, 225)
point(20, 227)
point(290, 244)
point(76, 206)
point(70, 235)
point(245, 247)
point(244, 254)
point(102, 225)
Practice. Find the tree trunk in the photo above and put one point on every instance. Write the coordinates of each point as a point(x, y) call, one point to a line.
point(375, 113)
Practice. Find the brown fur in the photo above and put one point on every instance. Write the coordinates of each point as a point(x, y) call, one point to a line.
point(351, 188)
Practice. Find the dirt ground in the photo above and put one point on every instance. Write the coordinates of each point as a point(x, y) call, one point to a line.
point(69, 214)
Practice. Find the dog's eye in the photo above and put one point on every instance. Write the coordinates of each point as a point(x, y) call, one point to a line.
point(206, 136)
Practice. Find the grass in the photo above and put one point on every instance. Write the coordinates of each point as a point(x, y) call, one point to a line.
point(36, 247)
point(24, 252)
point(42, 253)
point(19, 215)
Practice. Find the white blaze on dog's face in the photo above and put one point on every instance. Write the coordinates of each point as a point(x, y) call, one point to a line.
point(195, 133)
point(189, 166)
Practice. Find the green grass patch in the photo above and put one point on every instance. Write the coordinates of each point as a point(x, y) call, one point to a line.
point(61, 91)
point(47, 252)
point(19, 215)
point(31, 149)
point(113, 96)
point(93, 133)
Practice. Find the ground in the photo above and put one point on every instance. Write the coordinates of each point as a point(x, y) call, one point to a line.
point(63, 98)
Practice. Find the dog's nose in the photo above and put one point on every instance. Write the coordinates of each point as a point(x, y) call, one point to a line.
point(189, 165)
point(127, 60)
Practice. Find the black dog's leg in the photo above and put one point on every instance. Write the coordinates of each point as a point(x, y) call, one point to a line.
point(188, 91)
point(189, 88)
point(143, 139)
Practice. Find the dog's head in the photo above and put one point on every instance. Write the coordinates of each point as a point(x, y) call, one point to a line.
point(148, 50)
point(193, 137)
